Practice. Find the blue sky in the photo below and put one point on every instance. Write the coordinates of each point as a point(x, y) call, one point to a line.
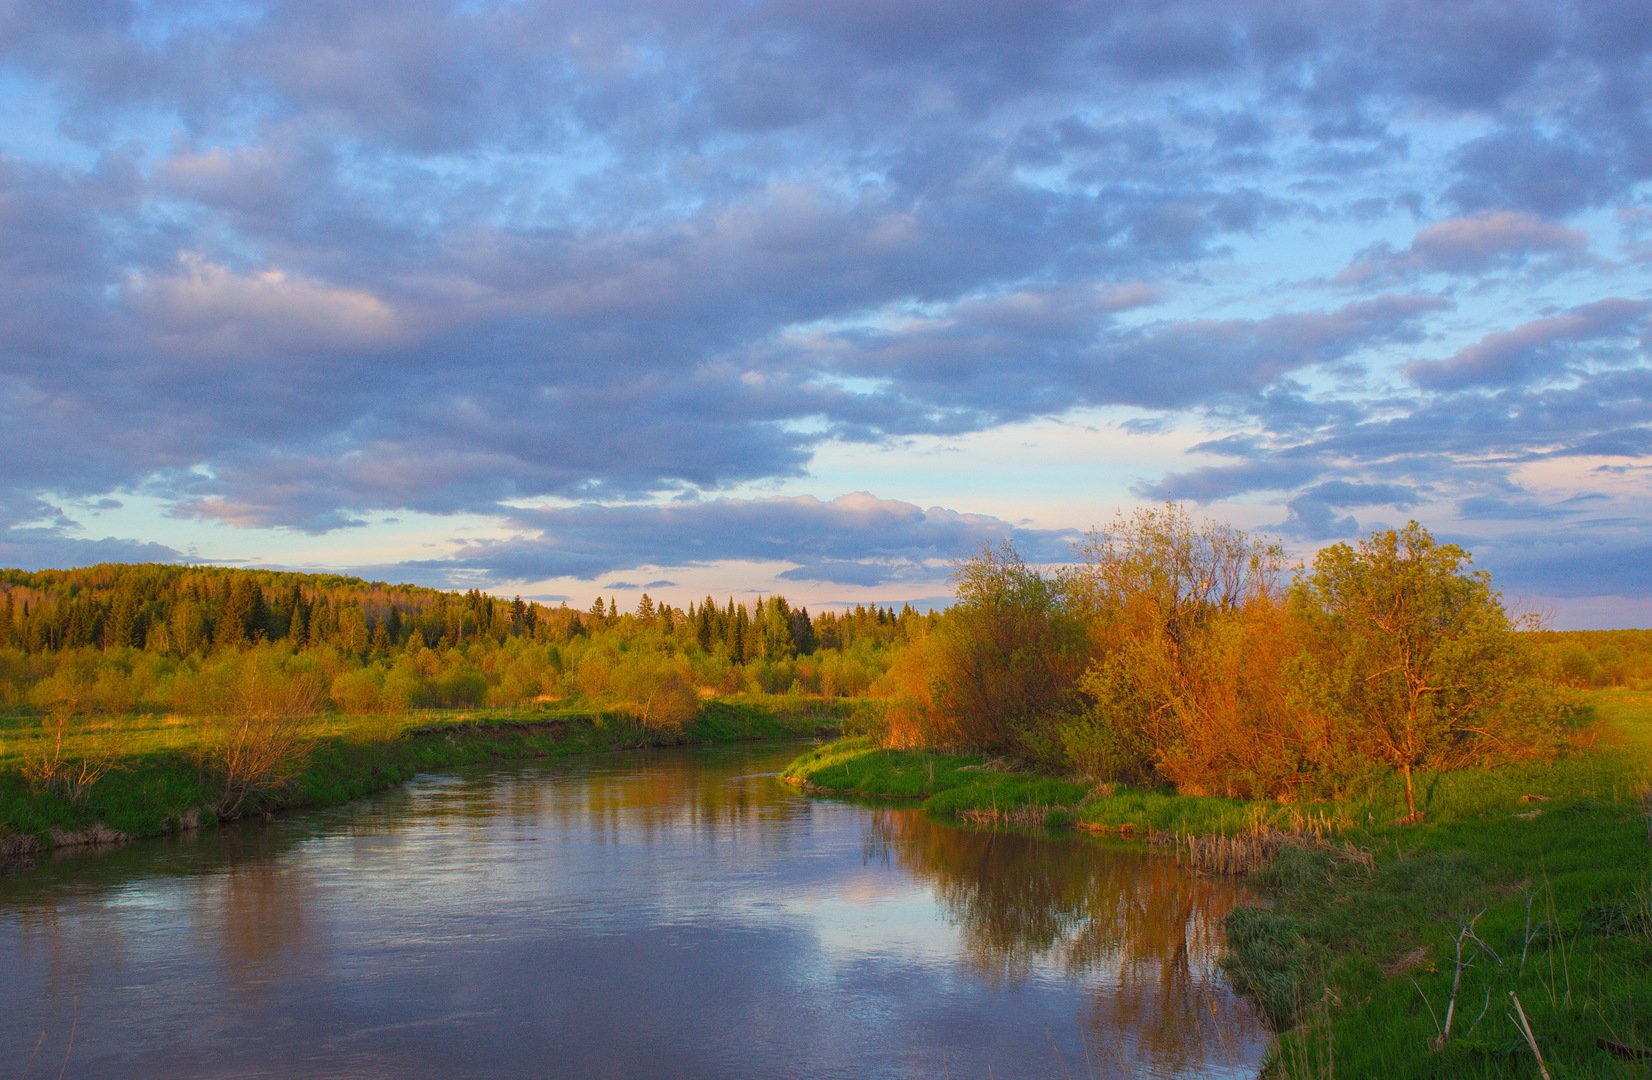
point(580, 298)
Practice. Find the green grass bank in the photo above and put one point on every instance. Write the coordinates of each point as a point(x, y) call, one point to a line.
point(159, 783)
point(1513, 923)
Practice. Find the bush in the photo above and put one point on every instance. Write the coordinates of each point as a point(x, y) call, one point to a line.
point(255, 742)
point(358, 692)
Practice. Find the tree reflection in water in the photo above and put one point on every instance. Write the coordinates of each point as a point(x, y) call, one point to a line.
point(1141, 928)
point(583, 911)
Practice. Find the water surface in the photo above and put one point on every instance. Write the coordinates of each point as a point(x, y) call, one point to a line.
point(653, 914)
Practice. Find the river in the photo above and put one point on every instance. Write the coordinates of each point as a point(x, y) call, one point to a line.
point(671, 913)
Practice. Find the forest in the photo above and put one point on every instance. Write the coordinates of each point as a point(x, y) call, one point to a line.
point(1168, 652)
point(118, 639)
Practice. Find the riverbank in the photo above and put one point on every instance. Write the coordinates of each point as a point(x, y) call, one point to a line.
point(1518, 913)
point(159, 784)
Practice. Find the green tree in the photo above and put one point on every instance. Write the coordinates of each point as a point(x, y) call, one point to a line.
point(803, 631)
point(1007, 656)
point(125, 625)
point(705, 626)
point(1415, 658)
point(774, 629)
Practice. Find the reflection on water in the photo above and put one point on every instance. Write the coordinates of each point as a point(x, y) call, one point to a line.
point(677, 914)
point(1140, 926)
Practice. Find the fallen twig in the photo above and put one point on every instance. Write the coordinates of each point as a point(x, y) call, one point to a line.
point(1531, 1040)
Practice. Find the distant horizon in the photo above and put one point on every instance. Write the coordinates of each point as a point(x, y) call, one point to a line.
point(818, 299)
point(922, 605)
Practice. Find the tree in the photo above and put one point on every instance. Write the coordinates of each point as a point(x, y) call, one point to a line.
point(774, 629)
point(1166, 599)
point(803, 631)
point(1007, 656)
point(51, 765)
point(1415, 658)
point(659, 690)
point(705, 625)
point(124, 627)
point(255, 743)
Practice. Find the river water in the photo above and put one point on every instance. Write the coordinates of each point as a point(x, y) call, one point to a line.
point(676, 914)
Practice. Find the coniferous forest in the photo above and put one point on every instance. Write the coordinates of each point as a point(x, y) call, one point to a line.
point(118, 638)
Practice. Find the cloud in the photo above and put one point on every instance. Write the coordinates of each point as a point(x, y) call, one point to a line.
point(1523, 168)
point(1576, 564)
point(1263, 472)
point(1198, 362)
point(51, 548)
point(1313, 514)
point(1040, 353)
point(1544, 350)
point(855, 539)
point(293, 266)
point(1470, 245)
point(203, 307)
point(866, 572)
point(1523, 508)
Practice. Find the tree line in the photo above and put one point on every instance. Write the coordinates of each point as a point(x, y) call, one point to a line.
point(1168, 651)
point(185, 610)
point(121, 638)
point(1601, 658)
point(1173, 651)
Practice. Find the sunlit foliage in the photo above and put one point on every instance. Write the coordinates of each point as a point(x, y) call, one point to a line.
point(1171, 651)
point(1412, 655)
point(158, 638)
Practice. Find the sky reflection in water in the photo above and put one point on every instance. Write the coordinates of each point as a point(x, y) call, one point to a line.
point(673, 914)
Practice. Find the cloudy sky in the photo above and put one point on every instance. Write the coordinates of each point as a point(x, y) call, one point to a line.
point(580, 297)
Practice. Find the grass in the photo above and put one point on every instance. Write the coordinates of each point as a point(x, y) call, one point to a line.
point(949, 784)
point(160, 786)
point(972, 788)
point(1355, 955)
point(1552, 866)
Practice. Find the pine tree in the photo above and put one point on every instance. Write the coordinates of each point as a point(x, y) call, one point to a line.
point(738, 635)
point(803, 632)
point(298, 622)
